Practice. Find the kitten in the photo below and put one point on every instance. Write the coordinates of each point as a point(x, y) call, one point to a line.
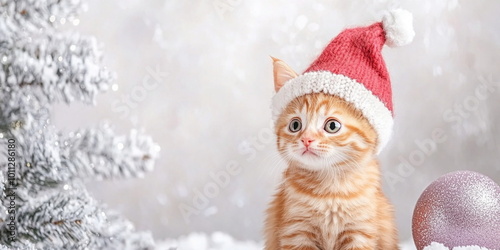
point(331, 196)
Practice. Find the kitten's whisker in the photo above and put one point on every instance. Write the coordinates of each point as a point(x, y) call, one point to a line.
point(275, 160)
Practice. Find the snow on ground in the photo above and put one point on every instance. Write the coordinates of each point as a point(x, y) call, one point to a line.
point(222, 241)
point(438, 246)
point(200, 241)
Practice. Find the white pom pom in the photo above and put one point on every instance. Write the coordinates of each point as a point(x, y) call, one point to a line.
point(398, 27)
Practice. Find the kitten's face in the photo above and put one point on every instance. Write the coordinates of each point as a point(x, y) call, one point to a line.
point(319, 131)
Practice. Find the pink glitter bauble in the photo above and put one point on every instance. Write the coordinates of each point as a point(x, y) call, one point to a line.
point(458, 209)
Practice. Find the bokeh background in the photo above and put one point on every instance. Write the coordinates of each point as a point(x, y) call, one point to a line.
point(196, 75)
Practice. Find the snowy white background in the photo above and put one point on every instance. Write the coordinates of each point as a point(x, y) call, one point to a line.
point(207, 105)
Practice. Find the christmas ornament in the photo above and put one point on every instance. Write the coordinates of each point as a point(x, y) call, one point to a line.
point(458, 209)
point(352, 68)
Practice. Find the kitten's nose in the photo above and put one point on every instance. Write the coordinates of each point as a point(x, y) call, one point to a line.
point(307, 141)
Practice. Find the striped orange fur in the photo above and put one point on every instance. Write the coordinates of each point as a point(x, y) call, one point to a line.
point(331, 197)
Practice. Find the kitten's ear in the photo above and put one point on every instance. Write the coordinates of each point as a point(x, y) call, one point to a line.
point(282, 73)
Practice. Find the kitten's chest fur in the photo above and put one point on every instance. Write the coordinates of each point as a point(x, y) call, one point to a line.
point(328, 217)
point(331, 206)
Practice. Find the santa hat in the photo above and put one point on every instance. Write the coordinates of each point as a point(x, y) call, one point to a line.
point(352, 68)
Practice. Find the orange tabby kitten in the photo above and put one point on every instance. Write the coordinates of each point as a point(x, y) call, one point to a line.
point(331, 196)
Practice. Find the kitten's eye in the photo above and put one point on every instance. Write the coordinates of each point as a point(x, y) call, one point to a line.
point(295, 125)
point(332, 126)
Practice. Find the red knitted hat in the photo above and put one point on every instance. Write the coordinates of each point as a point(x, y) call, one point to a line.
point(351, 67)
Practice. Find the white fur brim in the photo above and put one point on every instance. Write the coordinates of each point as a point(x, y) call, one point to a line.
point(379, 116)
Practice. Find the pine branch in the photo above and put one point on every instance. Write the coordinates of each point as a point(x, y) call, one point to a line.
point(40, 66)
point(52, 62)
point(50, 160)
point(2, 179)
point(73, 220)
point(40, 71)
point(3, 210)
point(39, 163)
point(125, 236)
point(58, 218)
point(54, 208)
point(35, 15)
point(98, 153)
point(18, 245)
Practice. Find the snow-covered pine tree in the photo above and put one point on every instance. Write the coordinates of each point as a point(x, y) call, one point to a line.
point(45, 204)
